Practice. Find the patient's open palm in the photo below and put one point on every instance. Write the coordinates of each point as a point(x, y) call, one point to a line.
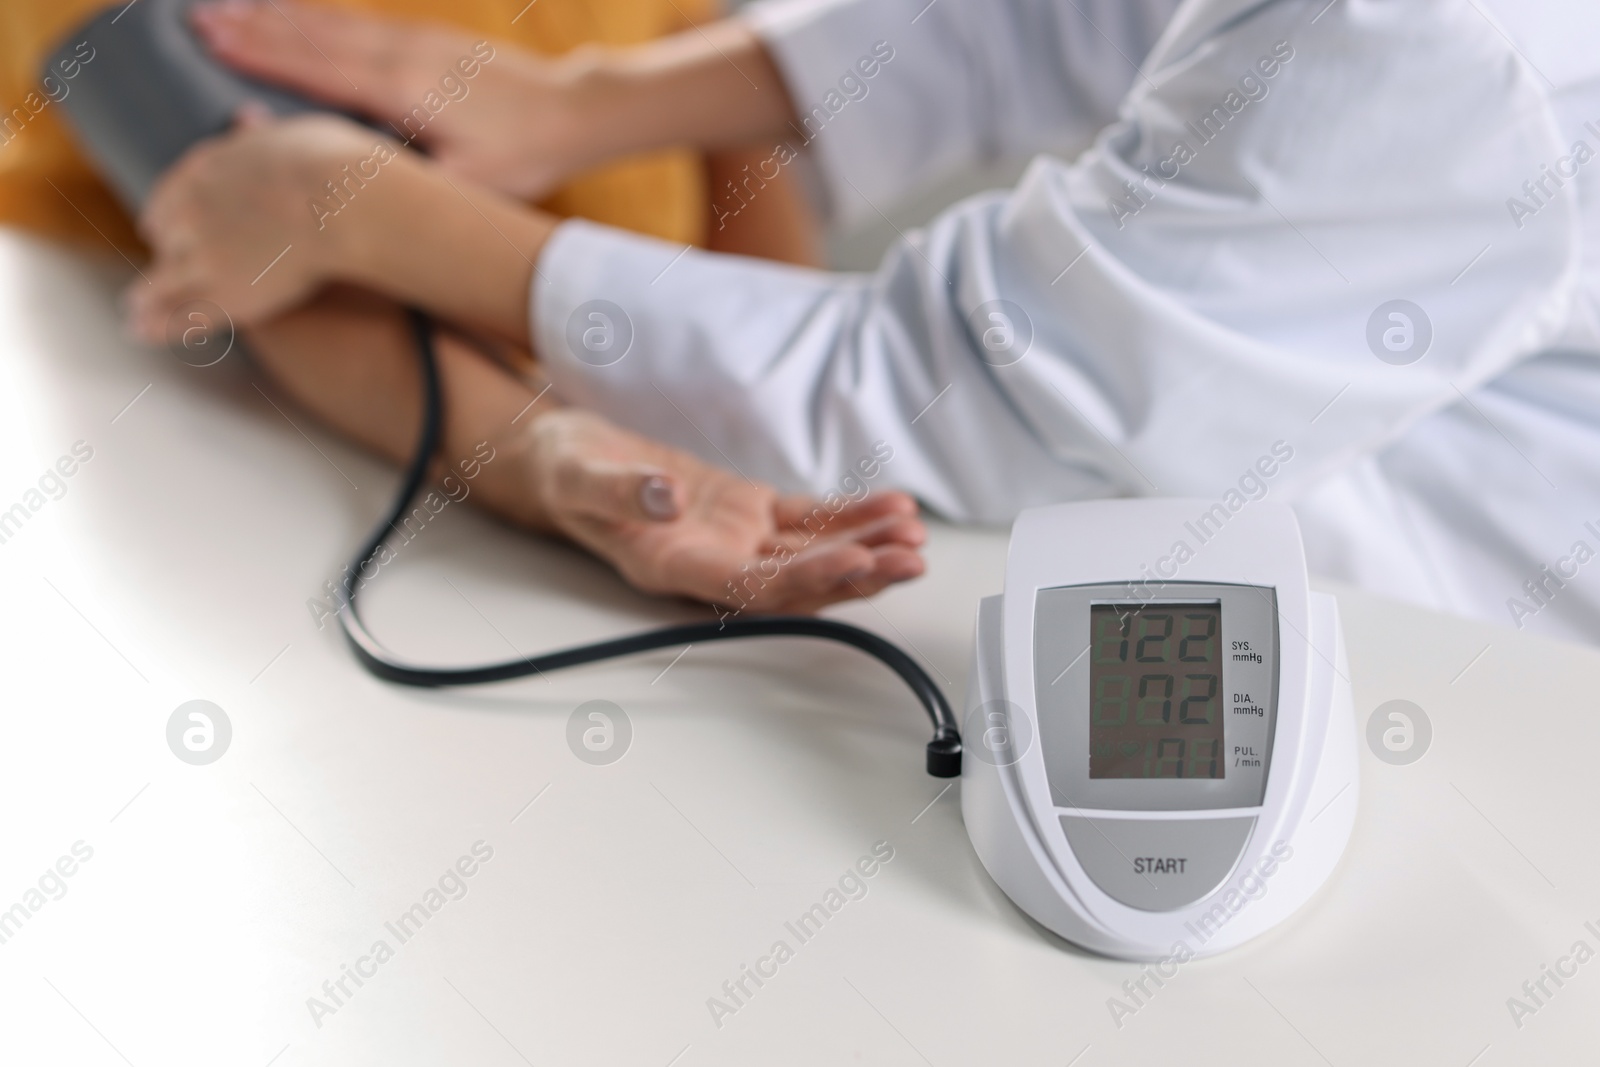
point(733, 542)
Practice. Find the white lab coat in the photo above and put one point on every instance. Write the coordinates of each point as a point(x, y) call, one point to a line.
point(1193, 321)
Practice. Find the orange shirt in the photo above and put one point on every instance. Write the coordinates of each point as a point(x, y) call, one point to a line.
point(46, 186)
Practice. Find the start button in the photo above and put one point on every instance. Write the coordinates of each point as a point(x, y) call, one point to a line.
point(1157, 864)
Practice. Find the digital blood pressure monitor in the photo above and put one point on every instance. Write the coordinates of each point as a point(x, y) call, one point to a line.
point(1160, 740)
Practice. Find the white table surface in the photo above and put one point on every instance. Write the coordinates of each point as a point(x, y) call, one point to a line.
point(219, 898)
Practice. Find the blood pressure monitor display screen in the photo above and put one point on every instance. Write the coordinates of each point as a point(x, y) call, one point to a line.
point(1155, 685)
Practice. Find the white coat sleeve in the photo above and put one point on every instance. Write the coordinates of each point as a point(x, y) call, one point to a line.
point(893, 94)
point(1205, 294)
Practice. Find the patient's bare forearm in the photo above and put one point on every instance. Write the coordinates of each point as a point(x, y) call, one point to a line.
point(347, 357)
point(668, 522)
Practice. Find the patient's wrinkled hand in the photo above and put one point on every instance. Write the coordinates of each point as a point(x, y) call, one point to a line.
point(235, 221)
point(505, 118)
point(672, 524)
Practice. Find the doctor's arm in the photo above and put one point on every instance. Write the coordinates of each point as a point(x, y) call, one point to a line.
point(526, 122)
point(890, 93)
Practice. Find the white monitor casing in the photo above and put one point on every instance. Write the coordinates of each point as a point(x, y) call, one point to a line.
point(1308, 804)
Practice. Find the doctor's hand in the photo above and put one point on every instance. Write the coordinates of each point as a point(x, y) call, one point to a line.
point(237, 220)
point(259, 218)
point(503, 117)
point(674, 525)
